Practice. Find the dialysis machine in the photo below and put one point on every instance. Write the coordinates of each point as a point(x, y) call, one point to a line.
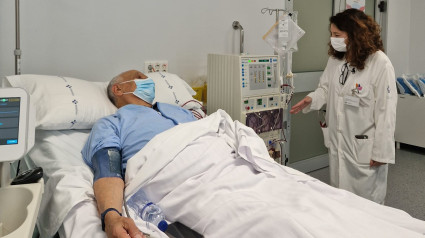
point(248, 88)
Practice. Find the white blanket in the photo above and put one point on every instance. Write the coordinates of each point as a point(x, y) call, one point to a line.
point(68, 202)
point(215, 176)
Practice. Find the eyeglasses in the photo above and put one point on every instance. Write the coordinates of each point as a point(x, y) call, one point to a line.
point(344, 74)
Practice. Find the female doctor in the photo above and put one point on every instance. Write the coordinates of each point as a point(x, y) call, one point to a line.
point(359, 90)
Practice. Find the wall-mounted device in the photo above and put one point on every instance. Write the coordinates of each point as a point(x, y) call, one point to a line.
point(247, 87)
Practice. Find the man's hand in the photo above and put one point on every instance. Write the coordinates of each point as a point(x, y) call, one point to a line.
point(374, 163)
point(109, 193)
point(300, 105)
point(117, 226)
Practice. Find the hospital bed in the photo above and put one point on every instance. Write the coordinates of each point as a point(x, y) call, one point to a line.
point(66, 110)
point(213, 175)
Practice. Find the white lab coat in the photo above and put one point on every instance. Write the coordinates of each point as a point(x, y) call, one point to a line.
point(373, 115)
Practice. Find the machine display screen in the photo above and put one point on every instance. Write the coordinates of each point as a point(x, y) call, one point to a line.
point(9, 120)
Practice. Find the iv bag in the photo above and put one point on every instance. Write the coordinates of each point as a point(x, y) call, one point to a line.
point(284, 35)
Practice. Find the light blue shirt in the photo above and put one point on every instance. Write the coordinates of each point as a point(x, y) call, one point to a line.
point(131, 128)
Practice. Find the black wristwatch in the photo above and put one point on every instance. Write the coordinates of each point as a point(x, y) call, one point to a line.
point(102, 216)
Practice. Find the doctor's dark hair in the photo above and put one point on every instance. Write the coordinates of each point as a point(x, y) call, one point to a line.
point(363, 37)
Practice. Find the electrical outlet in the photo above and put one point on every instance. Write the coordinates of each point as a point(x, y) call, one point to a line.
point(148, 67)
point(156, 66)
point(164, 66)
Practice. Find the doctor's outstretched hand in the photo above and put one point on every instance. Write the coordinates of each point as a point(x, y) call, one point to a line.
point(300, 105)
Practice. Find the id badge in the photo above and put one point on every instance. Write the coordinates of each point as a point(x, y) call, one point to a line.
point(352, 101)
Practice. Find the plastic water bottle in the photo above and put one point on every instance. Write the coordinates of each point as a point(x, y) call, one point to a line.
point(147, 210)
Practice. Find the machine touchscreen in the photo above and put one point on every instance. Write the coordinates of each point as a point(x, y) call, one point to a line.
point(16, 124)
point(9, 120)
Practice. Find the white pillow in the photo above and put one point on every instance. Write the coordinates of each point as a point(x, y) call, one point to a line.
point(171, 89)
point(63, 102)
point(69, 103)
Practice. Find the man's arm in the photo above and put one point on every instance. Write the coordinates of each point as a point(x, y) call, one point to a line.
point(109, 190)
point(109, 194)
point(102, 152)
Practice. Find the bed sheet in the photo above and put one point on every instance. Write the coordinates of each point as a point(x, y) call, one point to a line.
point(68, 205)
point(217, 178)
point(68, 180)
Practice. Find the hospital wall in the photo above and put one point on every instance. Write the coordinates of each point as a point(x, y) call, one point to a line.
point(417, 37)
point(398, 34)
point(97, 39)
point(405, 37)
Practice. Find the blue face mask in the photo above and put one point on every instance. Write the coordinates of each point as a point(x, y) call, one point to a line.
point(145, 89)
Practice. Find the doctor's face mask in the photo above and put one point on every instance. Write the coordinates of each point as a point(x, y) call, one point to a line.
point(339, 44)
point(145, 89)
point(338, 38)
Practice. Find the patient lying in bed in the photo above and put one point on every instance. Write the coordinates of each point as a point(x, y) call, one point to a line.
point(216, 177)
point(116, 138)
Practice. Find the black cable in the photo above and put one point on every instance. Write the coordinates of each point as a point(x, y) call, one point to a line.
point(17, 170)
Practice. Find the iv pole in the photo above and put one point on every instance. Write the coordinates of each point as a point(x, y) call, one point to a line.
point(5, 166)
point(270, 11)
point(17, 51)
point(287, 61)
point(289, 6)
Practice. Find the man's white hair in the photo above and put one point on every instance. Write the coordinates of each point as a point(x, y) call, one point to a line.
point(111, 94)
